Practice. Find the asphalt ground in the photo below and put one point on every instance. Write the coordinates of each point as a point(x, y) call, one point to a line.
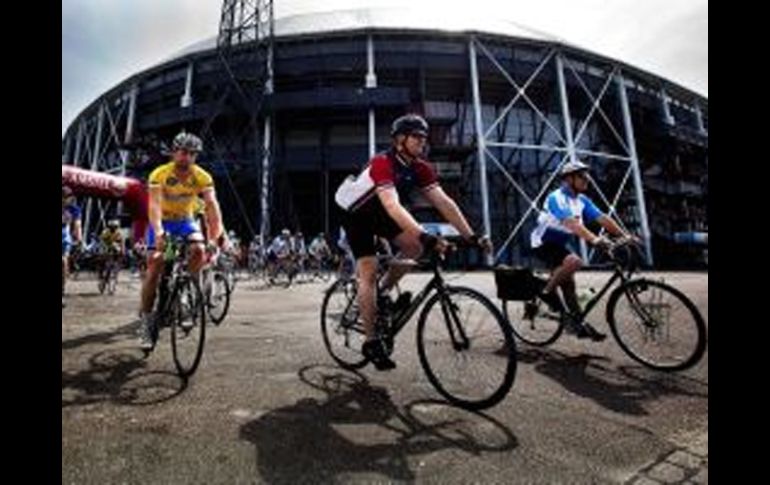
point(268, 404)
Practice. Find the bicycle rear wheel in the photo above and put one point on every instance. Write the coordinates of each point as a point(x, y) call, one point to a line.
point(341, 328)
point(532, 323)
point(188, 326)
point(466, 348)
point(656, 325)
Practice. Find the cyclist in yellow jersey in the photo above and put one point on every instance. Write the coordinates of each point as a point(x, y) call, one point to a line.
point(112, 244)
point(174, 190)
point(112, 238)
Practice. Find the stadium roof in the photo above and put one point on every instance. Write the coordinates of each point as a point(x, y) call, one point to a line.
point(451, 19)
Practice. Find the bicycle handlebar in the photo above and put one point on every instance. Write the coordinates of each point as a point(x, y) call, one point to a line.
point(624, 253)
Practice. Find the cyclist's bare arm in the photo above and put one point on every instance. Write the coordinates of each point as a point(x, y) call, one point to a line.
point(577, 228)
point(448, 208)
point(390, 201)
point(155, 215)
point(613, 228)
point(213, 213)
point(76, 231)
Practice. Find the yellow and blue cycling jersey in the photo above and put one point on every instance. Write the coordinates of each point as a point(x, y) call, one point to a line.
point(180, 199)
point(111, 239)
point(180, 194)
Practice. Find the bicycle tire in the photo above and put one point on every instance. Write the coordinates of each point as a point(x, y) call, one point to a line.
point(345, 329)
point(530, 324)
point(507, 351)
point(188, 302)
point(653, 322)
point(219, 312)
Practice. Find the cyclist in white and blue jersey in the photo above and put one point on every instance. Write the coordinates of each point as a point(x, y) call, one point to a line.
point(565, 212)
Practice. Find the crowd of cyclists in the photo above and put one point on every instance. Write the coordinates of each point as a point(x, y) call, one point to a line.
point(373, 205)
point(316, 258)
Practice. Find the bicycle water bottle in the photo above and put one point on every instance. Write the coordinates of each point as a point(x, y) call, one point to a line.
point(585, 296)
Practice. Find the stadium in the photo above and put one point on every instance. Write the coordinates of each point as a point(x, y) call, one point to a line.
point(507, 106)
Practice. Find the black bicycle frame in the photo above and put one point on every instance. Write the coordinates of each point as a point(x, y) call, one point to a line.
point(436, 283)
point(618, 274)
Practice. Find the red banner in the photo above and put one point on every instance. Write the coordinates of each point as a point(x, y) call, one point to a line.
point(131, 191)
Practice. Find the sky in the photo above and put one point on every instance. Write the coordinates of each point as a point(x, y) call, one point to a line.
point(105, 42)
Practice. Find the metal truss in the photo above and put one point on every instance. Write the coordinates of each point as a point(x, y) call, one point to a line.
point(101, 144)
point(245, 48)
point(568, 142)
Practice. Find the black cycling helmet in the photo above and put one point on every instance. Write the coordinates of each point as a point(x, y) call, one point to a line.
point(408, 125)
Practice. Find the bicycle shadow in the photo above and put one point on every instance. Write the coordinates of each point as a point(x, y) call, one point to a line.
point(119, 376)
point(84, 295)
point(623, 389)
point(107, 337)
point(312, 441)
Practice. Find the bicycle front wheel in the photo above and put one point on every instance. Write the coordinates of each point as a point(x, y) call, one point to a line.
point(188, 326)
point(281, 277)
point(112, 281)
point(102, 283)
point(341, 326)
point(656, 325)
point(218, 297)
point(466, 348)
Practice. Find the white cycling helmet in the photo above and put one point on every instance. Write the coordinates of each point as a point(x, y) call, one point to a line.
point(573, 167)
point(187, 141)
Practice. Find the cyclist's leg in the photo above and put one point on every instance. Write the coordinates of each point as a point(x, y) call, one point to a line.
point(366, 267)
point(149, 286)
point(408, 244)
point(563, 277)
point(101, 265)
point(270, 264)
point(63, 272)
point(568, 291)
point(361, 232)
point(152, 273)
point(553, 255)
point(410, 248)
point(562, 262)
point(197, 253)
point(65, 255)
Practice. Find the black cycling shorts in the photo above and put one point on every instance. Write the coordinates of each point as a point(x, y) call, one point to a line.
point(552, 254)
point(363, 225)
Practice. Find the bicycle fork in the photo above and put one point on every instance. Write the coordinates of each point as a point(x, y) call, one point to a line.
point(454, 327)
point(655, 313)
